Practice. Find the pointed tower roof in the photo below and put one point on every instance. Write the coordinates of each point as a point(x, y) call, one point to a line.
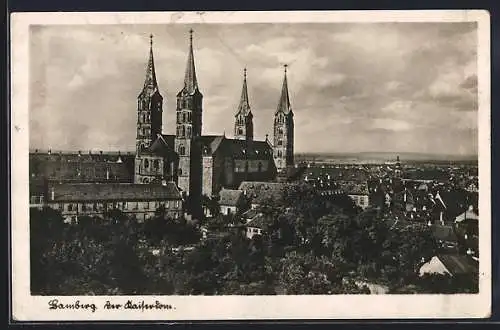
point(150, 83)
point(244, 106)
point(284, 103)
point(190, 82)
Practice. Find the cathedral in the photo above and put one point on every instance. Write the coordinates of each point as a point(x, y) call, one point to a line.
point(197, 164)
point(201, 164)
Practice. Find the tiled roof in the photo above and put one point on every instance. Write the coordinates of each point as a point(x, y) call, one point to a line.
point(259, 192)
point(82, 167)
point(458, 264)
point(259, 221)
point(353, 188)
point(444, 233)
point(467, 215)
point(230, 197)
point(113, 191)
point(250, 214)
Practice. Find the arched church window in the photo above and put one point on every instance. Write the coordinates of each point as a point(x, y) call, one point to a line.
point(180, 171)
point(146, 163)
point(189, 116)
point(156, 164)
point(182, 150)
point(183, 131)
point(240, 131)
point(188, 131)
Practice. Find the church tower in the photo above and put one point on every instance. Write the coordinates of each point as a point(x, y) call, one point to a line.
point(283, 129)
point(188, 128)
point(149, 118)
point(243, 125)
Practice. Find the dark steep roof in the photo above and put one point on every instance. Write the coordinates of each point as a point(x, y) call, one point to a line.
point(113, 191)
point(163, 145)
point(209, 144)
point(247, 149)
point(238, 149)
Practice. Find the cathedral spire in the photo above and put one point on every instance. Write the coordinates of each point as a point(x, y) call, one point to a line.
point(150, 83)
point(244, 106)
point(284, 103)
point(190, 82)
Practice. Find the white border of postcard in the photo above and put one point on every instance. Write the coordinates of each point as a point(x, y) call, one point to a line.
point(35, 308)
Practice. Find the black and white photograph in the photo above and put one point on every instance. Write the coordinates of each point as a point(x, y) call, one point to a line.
point(175, 158)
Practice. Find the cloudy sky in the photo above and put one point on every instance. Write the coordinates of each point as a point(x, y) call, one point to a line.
point(401, 87)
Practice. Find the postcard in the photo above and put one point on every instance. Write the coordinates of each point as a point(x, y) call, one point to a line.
point(250, 165)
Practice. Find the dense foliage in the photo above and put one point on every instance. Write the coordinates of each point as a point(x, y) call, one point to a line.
point(311, 245)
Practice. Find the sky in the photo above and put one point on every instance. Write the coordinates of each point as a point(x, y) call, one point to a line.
point(354, 87)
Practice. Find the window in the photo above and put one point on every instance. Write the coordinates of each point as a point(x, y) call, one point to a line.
point(95, 206)
point(146, 163)
point(182, 150)
point(240, 131)
point(156, 164)
point(280, 142)
point(124, 205)
point(70, 207)
point(176, 204)
point(84, 207)
point(146, 205)
point(143, 118)
point(260, 166)
point(188, 132)
point(180, 171)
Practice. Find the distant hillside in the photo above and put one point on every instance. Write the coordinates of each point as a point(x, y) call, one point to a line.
point(385, 156)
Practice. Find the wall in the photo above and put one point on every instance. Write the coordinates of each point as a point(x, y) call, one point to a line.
point(253, 165)
point(207, 176)
point(224, 209)
point(141, 209)
point(251, 231)
point(360, 200)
